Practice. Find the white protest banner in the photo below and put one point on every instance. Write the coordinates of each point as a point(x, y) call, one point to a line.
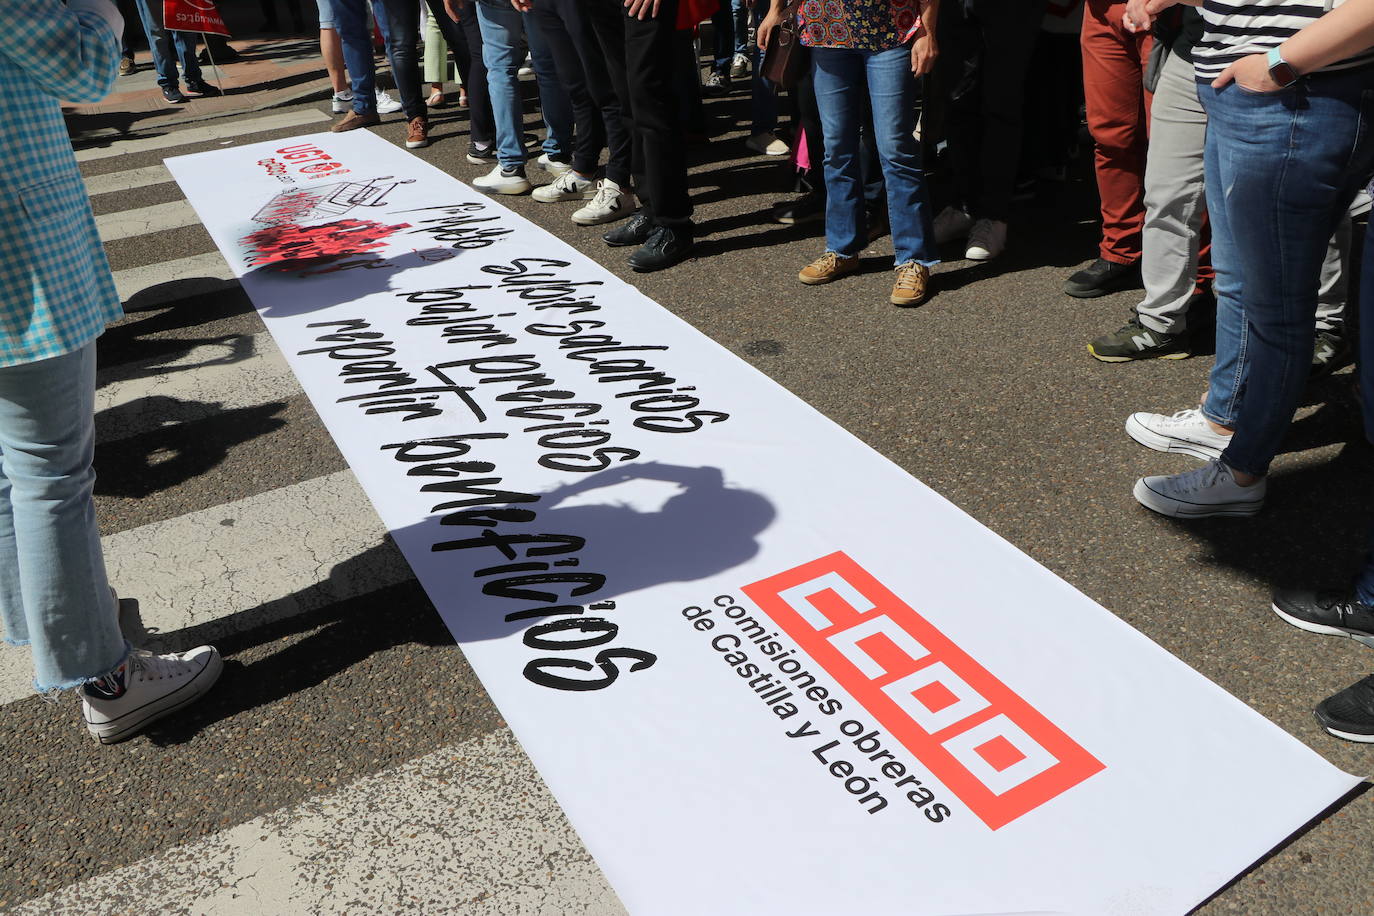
point(762, 668)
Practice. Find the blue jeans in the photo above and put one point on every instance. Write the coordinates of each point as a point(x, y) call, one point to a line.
point(501, 27)
point(54, 595)
point(1281, 171)
point(763, 93)
point(731, 27)
point(842, 76)
point(351, 22)
point(162, 42)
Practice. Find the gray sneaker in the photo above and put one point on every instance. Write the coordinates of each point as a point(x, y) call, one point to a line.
point(1135, 341)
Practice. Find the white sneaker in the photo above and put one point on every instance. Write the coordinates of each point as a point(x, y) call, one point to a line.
point(610, 203)
point(386, 104)
point(1186, 432)
point(342, 101)
point(526, 68)
point(501, 181)
point(1204, 492)
point(951, 224)
point(567, 186)
point(739, 66)
point(552, 166)
point(146, 688)
point(766, 144)
point(986, 240)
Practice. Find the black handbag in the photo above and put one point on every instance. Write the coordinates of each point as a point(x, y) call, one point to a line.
point(786, 58)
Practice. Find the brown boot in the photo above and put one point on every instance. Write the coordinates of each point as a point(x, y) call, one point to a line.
point(913, 284)
point(829, 266)
point(417, 132)
point(353, 120)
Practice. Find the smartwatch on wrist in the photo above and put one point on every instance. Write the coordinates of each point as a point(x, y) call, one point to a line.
point(1280, 70)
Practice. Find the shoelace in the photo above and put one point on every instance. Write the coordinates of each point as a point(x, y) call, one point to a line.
point(908, 276)
point(607, 197)
point(1186, 414)
point(566, 181)
point(150, 667)
point(1199, 478)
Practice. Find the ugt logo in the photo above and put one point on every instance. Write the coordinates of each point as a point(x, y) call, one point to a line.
point(986, 744)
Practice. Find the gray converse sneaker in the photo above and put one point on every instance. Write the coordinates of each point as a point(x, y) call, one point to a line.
point(1186, 432)
point(610, 203)
point(1204, 492)
point(567, 186)
point(144, 689)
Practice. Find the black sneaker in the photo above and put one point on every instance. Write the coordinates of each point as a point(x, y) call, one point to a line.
point(1101, 278)
point(808, 209)
point(173, 95)
point(1328, 613)
point(200, 87)
point(1330, 352)
point(1135, 341)
point(1350, 713)
point(481, 156)
point(665, 247)
point(634, 231)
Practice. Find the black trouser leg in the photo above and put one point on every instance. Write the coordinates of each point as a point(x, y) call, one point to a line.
point(589, 134)
point(403, 17)
point(650, 54)
point(481, 121)
point(606, 22)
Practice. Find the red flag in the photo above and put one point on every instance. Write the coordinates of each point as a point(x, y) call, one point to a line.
point(193, 16)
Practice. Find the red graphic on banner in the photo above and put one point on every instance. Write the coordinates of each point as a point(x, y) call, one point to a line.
point(991, 748)
point(289, 246)
point(193, 16)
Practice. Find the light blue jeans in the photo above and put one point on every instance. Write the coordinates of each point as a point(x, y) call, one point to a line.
point(1281, 171)
point(841, 76)
point(163, 44)
point(501, 26)
point(54, 595)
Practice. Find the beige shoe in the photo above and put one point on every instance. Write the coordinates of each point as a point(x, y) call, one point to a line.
point(353, 121)
point(913, 284)
point(829, 266)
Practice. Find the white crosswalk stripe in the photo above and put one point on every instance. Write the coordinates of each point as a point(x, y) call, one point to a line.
point(127, 180)
point(242, 565)
point(390, 840)
point(126, 224)
point(168, 281)
point(216, 131)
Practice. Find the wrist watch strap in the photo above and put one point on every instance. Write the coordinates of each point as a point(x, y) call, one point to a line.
point(1280, 70)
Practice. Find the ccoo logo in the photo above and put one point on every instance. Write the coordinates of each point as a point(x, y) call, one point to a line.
point(988, 746)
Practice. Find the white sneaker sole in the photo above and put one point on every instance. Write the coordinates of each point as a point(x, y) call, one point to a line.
point(1349, 736)
point(550, 199)
point(1324, 630)
point(1174, 508)
point(600, 219)
point(980, 254)
point(511, 189)
point(1162, 443)
point(136, 720)
point(416, 144)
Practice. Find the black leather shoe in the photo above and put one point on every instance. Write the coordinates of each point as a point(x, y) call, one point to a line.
point(664, 248)
point(1101, 278)
point(634, 231)
point(1327, 613)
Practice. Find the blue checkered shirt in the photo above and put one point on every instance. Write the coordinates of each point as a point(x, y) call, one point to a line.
point(56, 292)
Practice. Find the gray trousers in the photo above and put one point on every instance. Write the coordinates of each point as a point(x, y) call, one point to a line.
point(1175, 202)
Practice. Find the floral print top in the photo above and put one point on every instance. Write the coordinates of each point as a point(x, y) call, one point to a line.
point(860, 25)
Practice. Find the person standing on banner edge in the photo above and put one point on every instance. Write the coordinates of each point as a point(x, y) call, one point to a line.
point(56, 296)
point(1289, 91)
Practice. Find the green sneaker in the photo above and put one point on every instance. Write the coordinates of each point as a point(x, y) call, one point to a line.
point(1330, 352)
point(1135, 341)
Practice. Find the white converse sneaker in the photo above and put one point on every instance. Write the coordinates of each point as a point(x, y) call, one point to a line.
point(1186, 432)
point(342, 101)
point(146, 688)
point(1204, 492)
point(553, 166)
point(503, 181)
point(986, 240)
point(568, 186)
point(767, 144)
point(386, 104)
point(611, 202)
point(951, 224)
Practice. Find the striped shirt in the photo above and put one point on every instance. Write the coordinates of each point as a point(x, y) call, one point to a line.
point(1236, 28)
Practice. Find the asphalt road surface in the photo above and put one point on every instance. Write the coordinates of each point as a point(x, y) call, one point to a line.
point(350, 762)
